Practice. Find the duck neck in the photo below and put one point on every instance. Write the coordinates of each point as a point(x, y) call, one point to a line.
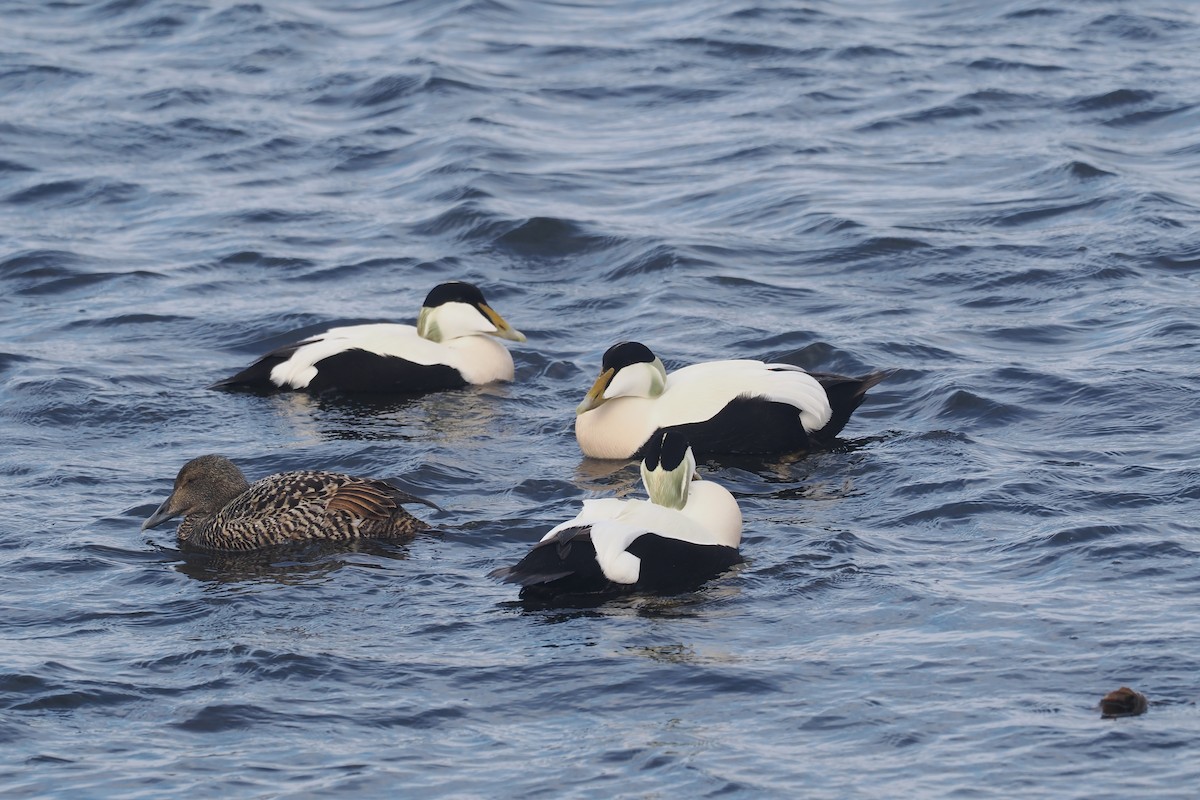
point(198, 525)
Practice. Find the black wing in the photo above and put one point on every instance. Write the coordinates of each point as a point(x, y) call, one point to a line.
point(257, 376)
point(564, 564)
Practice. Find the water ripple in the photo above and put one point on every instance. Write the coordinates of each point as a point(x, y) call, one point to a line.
point(994, 203)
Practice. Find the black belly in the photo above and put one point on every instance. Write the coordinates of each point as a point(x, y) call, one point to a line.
point(670, 566)
point(349, 371)
point(360, 371)
point(564, 570)
point(748, 426)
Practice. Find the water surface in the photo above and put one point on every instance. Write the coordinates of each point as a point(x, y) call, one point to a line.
point(997, 200)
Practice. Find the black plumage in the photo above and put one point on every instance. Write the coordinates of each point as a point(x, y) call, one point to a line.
point(739, 406)
point(453, 345)
point(257, 376)
point(745, 426)
point(566, 565)
point(360, 371)
point(845, 396)
point(568, 554)
point(352, 370)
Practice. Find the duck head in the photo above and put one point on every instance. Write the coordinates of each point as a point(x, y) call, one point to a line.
point(203, 487)
point(457, 309)
point(668, 469)
point(629, 369)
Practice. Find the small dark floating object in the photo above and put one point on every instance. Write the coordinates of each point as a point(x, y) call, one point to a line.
point(738, 407)
point(452, 345)
point(1123, 702)
point(222, 511)
point(686, 533)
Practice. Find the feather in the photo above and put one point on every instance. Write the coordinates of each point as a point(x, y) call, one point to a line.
point(453, 344)
point(733, 406)
point(685, 534)
point(225, 512)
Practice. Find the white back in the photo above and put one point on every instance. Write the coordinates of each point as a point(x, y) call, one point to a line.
point(711, 517)
point(480, 359)
point(618, 427)
point(698, 392)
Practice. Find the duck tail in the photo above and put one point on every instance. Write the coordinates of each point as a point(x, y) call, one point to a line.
point(569, 554)
point(401, 496)
point(845, 396)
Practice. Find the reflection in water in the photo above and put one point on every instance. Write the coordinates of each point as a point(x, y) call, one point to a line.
point(612, 478)
point(566, 607)
point(452, 416)
point(306, 563)
point(666, 653)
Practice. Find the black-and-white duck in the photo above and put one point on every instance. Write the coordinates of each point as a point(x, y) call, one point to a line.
point(454, 343)
point(686, 533)
point(740, 406)
point(223, 511)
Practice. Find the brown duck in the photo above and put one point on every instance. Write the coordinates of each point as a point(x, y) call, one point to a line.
point(223, 511)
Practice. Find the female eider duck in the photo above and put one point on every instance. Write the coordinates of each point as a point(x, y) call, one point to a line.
point(453, 344)
point(688, 532)
point(746, 407)
point(222, 511)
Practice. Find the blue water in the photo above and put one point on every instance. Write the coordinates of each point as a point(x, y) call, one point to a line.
point(997, 199)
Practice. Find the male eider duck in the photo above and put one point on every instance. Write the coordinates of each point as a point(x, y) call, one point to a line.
point(453, 344)
point(222, 511)
point(687, 532)
point(742, 406)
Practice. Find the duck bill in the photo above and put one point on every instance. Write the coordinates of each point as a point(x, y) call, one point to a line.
point(161, 514)
point(503, 329)
point(595, 395)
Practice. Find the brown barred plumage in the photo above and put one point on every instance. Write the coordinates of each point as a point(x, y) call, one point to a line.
point(222, 511)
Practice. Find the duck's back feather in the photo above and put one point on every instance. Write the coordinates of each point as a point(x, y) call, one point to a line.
point(379, 357)
point(699, 392)
point(298, 506)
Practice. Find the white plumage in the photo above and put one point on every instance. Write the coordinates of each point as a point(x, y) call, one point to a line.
point(711, 517)
point(738, 406)
point(477, 358)
point(688, 531)
point(454, 343)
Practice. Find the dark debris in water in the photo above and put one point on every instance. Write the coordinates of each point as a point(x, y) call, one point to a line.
point(1123, 702)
